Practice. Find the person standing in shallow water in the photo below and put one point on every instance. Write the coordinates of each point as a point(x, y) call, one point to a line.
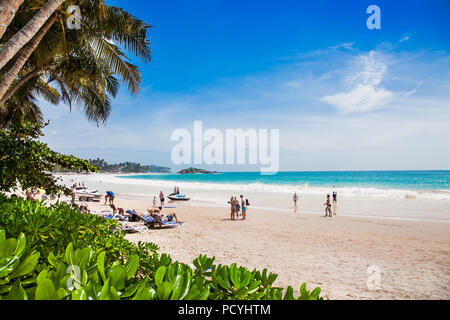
point(295, 198)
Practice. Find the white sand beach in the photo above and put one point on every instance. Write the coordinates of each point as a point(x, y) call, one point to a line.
point(413, 255)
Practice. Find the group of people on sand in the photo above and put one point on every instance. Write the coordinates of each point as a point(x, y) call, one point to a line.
point(133, 216)
point(328, 204)
point(238, 205)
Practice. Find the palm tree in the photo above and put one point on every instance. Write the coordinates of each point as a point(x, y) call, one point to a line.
point(11, 75)
point(24, 35)
point(8, 9)
point(83, 66)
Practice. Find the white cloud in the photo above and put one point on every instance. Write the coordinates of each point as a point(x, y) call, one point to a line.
point(406, 37)
point(346, 45)
point(364, 92)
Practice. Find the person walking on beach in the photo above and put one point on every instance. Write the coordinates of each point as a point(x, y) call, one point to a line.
point(295, 198)
point(334, 202)
point(161, 198)
point(154, 202)
point(244, 207)
point(327, 205)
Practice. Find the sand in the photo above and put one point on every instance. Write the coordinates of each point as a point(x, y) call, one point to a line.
point(413, 257)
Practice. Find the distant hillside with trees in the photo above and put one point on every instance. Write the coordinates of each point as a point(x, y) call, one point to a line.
point(127, 167)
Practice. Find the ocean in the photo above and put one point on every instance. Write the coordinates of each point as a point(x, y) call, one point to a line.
point(430, 184)
point(416, 195)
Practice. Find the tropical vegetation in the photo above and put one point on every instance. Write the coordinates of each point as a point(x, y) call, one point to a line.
point(56, 253)
point(127, 167)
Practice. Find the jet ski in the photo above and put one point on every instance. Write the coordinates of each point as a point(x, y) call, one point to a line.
point(84, 194)
point(178, 197)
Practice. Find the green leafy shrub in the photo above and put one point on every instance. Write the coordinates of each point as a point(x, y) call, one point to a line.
point(57, 253)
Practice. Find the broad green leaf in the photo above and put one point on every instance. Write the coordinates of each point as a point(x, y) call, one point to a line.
point(61, 293)
point(145, 293)
point(45, 290)
point(193, 293)
point(101, 265)
point(79, 294)
point(159, 275)
point(2, 235)
point(177, 286)
point(130, 290)
point(26, 266)
point(82, 256)
point(52, 260)
point(17, 292)
point(7, 247)
point(186, 285)
point(132, 266)
point(21, 244)
point(118, 275)
point(8, 265)
point(107, 293)
point(205, 293)
point(42, 275)
point(70, 254)
point(164, 290)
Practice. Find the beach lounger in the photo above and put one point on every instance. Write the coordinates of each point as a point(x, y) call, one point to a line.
point(158, 221)
point(115, 217)
point(141, 229)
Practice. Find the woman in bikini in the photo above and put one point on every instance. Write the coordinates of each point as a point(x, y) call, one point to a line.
point(328, 207)
point(233, 204)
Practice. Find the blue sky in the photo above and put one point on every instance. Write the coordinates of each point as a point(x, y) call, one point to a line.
point(344, 97)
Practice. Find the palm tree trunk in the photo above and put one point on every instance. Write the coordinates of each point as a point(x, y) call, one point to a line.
point(15, 69)
point(21, 38)
point(18, 84)
point(8, 9)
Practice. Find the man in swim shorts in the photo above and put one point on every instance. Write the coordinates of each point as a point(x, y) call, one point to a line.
point(244, 207)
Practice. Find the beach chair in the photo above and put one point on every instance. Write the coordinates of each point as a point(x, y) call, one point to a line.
point(140, 229)
point(158, 221)
point(114, 217)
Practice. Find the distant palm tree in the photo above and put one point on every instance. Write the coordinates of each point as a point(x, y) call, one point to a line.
point(80, 65)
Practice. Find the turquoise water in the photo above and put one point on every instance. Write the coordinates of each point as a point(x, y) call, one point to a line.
point(402, 180)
